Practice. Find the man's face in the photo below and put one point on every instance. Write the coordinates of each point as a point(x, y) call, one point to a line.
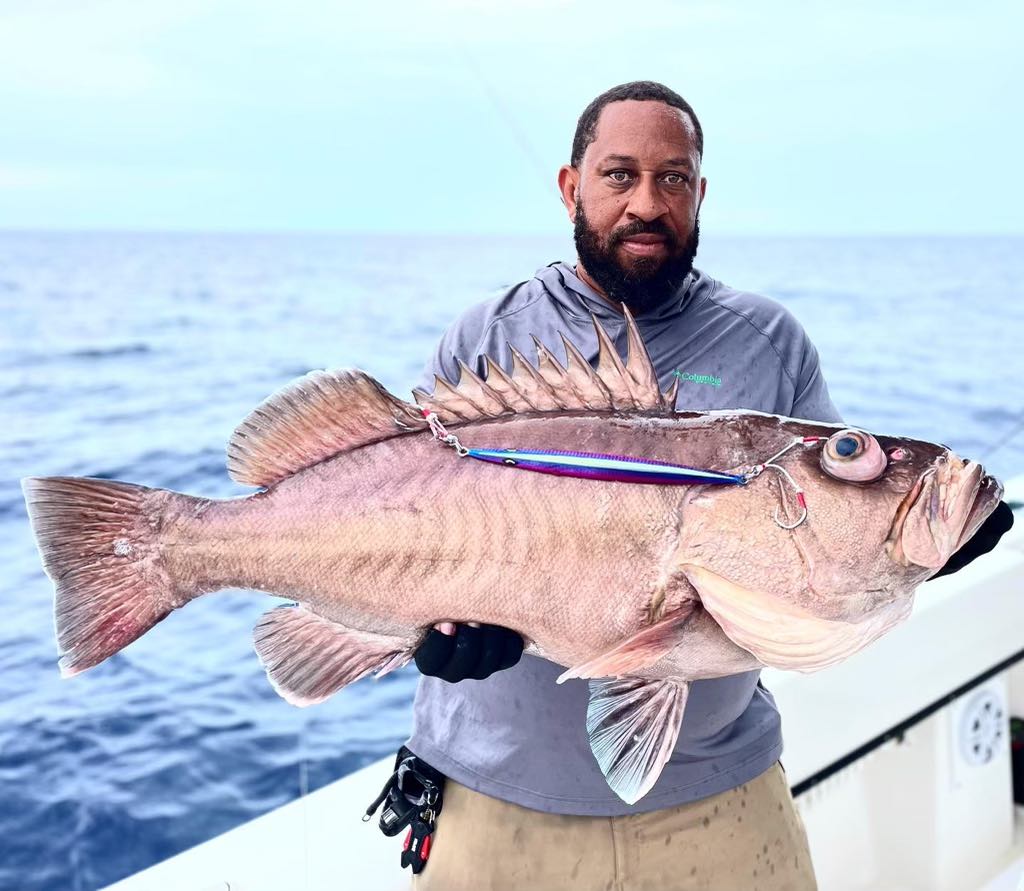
point(634, 201)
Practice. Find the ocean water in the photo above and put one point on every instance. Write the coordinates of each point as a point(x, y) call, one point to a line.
point(134, 356)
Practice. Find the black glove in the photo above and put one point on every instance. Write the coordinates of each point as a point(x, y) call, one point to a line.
point(469, 653)
point(995, 526)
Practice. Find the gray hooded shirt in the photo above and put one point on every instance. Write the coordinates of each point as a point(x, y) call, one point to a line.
point(519, 736)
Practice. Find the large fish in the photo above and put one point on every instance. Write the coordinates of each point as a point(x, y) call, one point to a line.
point(379, 531)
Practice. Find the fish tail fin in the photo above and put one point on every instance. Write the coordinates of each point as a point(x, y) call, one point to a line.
point(99, 543)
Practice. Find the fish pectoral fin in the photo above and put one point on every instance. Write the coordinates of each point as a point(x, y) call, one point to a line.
point(783, 634)
point(635, 653)
point(309, 658)
point(633, 725)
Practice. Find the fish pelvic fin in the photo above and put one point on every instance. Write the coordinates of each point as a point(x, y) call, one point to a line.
point(633, 725)
point(312, 419)
point(99, 543)
point(635, 653)
point(614, 385)
point(309, 658)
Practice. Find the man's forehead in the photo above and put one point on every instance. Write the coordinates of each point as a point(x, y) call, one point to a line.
point(631, 128)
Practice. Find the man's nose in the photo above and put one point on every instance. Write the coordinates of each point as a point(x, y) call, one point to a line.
point(645, 200)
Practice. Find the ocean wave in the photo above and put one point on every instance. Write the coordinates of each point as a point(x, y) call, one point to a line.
point(108, 352)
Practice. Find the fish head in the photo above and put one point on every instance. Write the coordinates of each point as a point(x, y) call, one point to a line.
point(926, 498)
point(803, 590)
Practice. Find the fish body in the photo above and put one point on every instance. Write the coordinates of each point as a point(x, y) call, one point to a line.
point(378, 531)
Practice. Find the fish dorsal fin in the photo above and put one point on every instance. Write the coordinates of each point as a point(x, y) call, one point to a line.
point(615, 385)
point(313, 419)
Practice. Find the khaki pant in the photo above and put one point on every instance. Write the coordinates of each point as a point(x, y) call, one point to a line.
point(747, 839)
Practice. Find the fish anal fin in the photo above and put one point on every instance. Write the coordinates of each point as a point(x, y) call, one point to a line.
point(633, 725)
point(638, 652)
point(309, 658)
point(313, 419)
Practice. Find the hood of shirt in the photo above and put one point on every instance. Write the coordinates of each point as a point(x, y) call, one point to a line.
point(579, 299)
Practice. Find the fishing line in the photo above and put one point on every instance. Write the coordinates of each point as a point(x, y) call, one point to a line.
point(1006, 438)
point(519, 133)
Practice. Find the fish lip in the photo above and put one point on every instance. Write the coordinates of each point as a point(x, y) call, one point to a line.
point(987, 495)
point(960, 483)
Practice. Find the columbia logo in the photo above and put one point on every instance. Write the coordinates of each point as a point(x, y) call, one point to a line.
point(708, 379)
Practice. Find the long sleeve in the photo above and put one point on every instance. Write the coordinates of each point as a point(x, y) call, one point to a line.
point(812, 400)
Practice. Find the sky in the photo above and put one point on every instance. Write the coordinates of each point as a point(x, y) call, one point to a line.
point(453, 116)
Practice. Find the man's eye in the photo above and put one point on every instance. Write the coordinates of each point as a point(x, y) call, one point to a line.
point(675, 179)
point(619, 176)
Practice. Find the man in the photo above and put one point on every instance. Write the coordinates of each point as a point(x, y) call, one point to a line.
point(526, 805)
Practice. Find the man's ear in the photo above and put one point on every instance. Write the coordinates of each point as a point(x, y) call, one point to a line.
point(568, 183)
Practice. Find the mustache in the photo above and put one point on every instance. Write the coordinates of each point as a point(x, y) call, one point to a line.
point(640, 227)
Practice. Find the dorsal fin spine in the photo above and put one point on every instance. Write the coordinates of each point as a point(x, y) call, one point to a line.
point(579, 368)
point(638, 362)
point(552, 372)
point(538, 390)
point(668, 398)
point(493, 405)
point(501, 382)
point(444, 389)
point(612, 371)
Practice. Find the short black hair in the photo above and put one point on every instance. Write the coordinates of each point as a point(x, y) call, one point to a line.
point(639, 90)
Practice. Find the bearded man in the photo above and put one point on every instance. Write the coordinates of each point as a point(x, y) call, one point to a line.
point(526, 805)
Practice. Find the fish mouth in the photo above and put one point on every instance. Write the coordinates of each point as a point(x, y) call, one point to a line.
point(942, 511)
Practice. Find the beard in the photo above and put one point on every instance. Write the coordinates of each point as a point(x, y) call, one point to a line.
point(644, 282)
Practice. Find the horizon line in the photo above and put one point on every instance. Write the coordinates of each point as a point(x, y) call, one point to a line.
point(485, 233)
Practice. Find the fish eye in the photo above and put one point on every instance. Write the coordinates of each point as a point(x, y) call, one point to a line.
point(853, 456)
point(847, 446)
